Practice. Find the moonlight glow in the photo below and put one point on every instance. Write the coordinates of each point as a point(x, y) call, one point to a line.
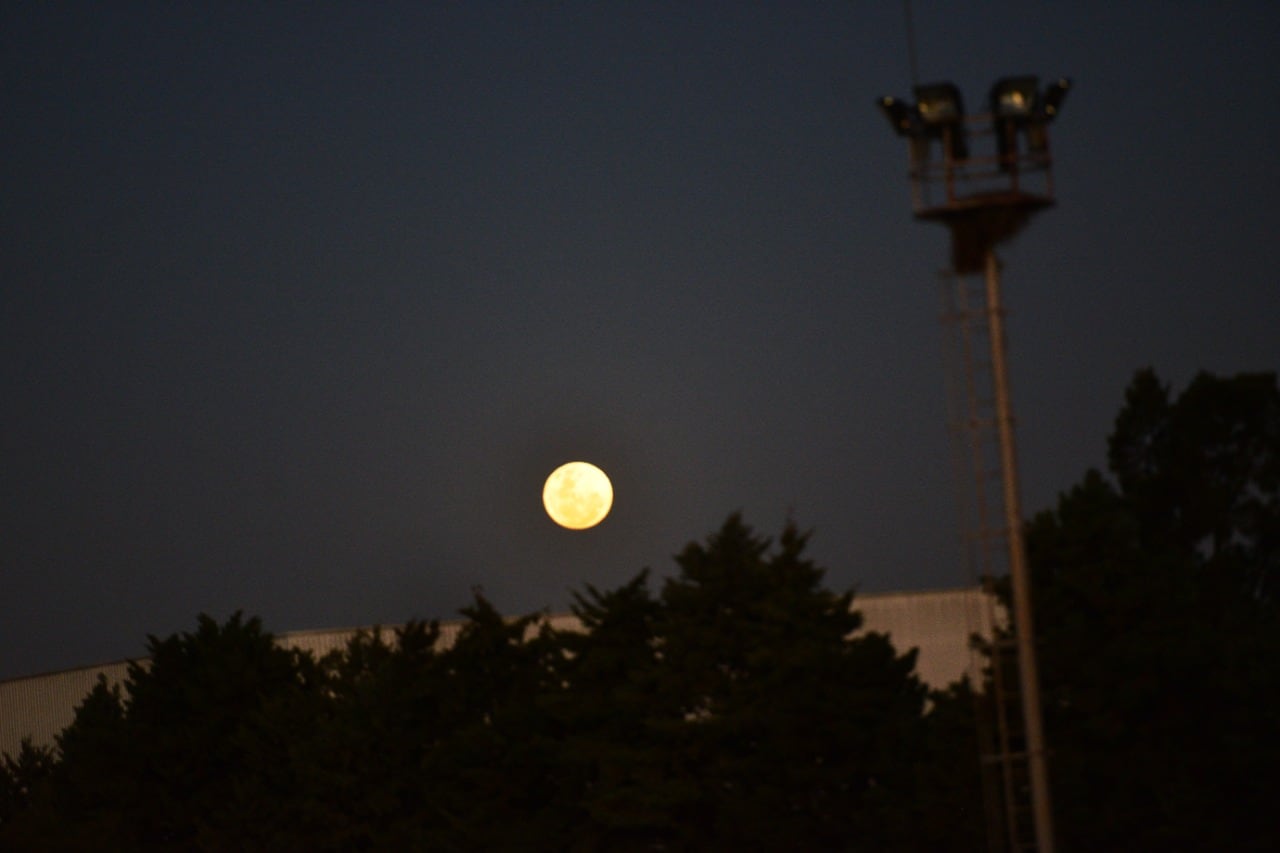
point(577, 495)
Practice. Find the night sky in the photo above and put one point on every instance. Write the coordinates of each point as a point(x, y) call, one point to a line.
point(302, 302)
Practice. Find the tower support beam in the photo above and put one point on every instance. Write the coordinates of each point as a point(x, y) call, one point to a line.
point(1023, 629)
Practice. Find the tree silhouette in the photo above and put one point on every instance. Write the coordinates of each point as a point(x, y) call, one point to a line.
point(736, 709)
point(1155, 594)
point(21, 778)
point(790, 729)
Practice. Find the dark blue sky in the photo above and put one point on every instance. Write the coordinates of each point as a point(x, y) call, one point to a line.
point(301, 303)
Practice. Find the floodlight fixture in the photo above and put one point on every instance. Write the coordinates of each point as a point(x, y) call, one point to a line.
point(1015, 106)
point(1015, 98)
point(904, 117)
point(941, 112)
point(939, 104)
point(1054, 95)
point(1018, 106)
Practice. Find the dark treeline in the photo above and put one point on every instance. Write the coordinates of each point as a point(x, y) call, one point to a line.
point(1156, 592)
point(733, 709)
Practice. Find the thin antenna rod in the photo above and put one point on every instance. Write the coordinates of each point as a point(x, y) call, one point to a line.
point(911, 44)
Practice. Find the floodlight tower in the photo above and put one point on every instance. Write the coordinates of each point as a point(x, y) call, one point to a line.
point(984, 177)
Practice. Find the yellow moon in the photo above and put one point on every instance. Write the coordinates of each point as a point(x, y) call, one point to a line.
point(577, 495)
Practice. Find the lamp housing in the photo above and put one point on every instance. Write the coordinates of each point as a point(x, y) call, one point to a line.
point(1016, 99)
point(1054, 94)
point(941, 111)
point(904, 117)
point(939, 104)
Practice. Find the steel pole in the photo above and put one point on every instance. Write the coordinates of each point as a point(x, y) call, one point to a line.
point(1024, 634)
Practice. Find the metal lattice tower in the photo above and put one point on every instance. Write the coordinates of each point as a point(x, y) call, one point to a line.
point(984, 535)
point(984, 177)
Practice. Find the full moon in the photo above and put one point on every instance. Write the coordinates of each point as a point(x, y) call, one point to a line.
point(577, 495)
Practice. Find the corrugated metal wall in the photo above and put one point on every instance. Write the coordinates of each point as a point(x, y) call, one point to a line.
point(938, 623)
point(40, 706)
